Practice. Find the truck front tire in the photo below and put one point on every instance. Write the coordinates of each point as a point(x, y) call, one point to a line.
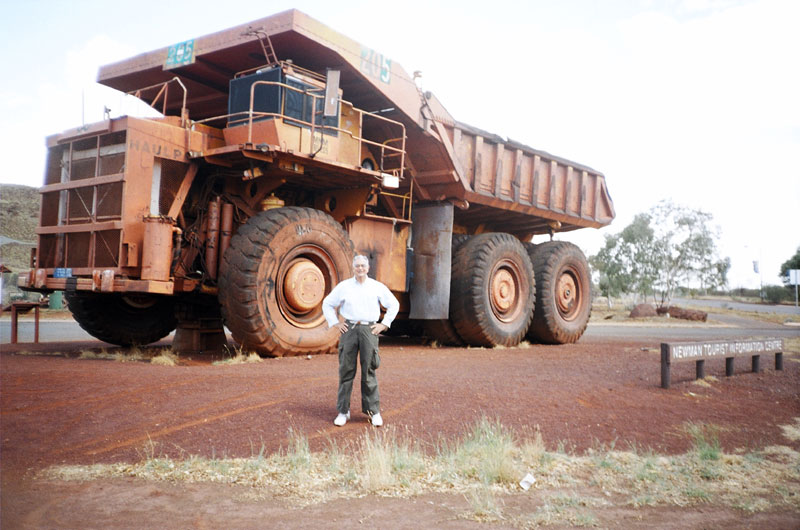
point(278, 268)
point(124, 320)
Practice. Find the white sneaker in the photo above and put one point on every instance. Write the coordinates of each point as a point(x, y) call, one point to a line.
point(377, 421)
point(341, 419)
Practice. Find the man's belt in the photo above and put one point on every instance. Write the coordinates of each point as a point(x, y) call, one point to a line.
point(360, 322)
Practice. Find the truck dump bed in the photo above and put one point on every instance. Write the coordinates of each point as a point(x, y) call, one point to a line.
point(539, 191)
point(497, 184)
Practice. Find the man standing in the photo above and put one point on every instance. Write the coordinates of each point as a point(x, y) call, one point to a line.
point(358, 301)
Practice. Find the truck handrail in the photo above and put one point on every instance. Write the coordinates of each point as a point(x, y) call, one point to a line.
point(164, 91)
point(401, 152)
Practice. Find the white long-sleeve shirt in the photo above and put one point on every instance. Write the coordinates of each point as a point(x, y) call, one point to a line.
point(360, 301)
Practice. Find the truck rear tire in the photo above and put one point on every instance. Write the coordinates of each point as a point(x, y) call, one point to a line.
point(275, 273)
point(492, 290)
point(125, 320)
point(564, 287)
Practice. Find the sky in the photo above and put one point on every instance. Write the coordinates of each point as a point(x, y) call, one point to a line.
point(695, 101)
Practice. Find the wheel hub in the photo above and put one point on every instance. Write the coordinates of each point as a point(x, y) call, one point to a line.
point(567, 294)
point(304, 286)
point(503, 291)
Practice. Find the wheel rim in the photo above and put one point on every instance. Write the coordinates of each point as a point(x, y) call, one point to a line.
point(504, 291)
point(305, 276)
point(568, 294)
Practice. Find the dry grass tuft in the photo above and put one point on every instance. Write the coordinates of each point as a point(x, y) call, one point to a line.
point(486, 454)
point(165, 357)
point(486, 507)
point(239, 356)
point(706, 381)
point(91, 354)
point(376, 460)
point(485, 466)
point(42, 353)
point(792, 432)
point(133, 354)
point(564, 508)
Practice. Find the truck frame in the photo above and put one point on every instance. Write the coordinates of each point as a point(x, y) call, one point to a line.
point(283, 148)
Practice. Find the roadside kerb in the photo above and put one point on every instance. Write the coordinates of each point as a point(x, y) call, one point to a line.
point(729, 349)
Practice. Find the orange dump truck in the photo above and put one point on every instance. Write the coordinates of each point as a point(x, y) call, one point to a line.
point(284, 148)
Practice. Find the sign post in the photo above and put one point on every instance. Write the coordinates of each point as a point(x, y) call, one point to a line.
point(728, 349)
point(794, 279)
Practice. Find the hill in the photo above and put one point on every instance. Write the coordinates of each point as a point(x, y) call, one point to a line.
point(19, 217)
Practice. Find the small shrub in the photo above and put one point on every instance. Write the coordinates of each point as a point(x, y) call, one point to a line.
point(777, 293)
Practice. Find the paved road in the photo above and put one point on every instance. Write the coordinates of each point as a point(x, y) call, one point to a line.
point(739, 306)
point(729, 328)
point(49, 331)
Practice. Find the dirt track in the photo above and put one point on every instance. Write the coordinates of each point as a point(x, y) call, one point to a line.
point(65, 410)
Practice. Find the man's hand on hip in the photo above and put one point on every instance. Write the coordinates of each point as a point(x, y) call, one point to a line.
point(379, 328)
point(342, 327)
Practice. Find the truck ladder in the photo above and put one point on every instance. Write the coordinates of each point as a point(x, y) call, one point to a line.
point(266, 45)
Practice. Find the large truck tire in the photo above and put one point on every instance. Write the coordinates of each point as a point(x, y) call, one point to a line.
point(274, 275)
point(443, 331)
point(492, 291)
point(123, 319)
point(563, 286)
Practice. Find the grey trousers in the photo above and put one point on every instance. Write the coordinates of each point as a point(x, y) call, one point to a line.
point(358, 339)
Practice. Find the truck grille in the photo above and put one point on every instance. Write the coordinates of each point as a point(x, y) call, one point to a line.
point(81, 200)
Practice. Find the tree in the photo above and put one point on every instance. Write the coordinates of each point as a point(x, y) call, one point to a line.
point(627, 263)
point(659, 250)
point(789, 264)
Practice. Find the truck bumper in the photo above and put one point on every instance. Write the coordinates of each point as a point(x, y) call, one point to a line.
point(101, 281)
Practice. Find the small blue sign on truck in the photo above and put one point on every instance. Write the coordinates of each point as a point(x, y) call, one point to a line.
point(61, 272)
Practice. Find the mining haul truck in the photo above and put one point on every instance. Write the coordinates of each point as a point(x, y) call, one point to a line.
point(281, 149)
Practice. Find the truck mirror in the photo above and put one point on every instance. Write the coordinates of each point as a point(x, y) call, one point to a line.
point(331, 93)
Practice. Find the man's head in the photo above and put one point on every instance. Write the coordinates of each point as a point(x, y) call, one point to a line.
point(361, 267)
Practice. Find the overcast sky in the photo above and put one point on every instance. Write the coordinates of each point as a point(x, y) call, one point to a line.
point(697, 101)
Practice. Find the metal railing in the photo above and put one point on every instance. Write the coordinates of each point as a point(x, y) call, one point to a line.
point(163, 92)
point(387, 151)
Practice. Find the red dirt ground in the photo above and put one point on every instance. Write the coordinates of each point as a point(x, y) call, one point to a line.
point(63, 410)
